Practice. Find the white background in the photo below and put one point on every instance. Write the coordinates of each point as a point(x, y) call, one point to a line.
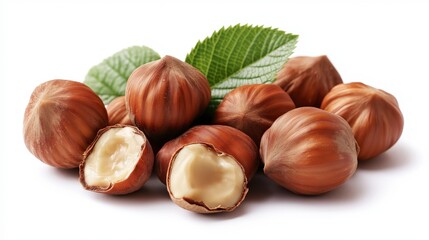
point(384, 44)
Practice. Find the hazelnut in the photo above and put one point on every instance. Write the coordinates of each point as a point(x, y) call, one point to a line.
point(309, 151)
point(117, 112)
point(308, 79)
point(164, 97)
point(61, 120)
point(253, 108)
point(207, 168)
point(118, 161)
point(373, 114)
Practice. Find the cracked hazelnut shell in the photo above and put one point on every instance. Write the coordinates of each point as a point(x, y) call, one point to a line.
point(308, 79)
point(61, 120)
point(118, 161)
point(253, 108)
point(309, 151)
point(373, 114)
point(219, 142)
point(164, 97)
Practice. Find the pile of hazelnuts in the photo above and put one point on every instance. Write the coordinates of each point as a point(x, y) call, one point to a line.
point(308, 130)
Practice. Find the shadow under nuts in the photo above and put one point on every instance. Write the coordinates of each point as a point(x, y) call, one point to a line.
point(373, 114)
point(253, 108)
point(61, 120)
point(164, 97)
point(309, 151)
point(207, 168)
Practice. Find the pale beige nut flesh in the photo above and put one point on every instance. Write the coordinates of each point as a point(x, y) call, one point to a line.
point(119, 161)
point(213, 179)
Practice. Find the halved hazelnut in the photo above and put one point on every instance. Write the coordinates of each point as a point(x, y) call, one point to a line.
point(373, 114)
point(207, 168)
point(117, 112)
point(61, 120)
point(253, 108)
point(119, 161)
point(205, 177)
point(308, 79)
point(309, 151)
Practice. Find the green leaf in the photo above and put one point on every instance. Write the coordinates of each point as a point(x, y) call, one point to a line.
point(240, 55)
point(109, 78)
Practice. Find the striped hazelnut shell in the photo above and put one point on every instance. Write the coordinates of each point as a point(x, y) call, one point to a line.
point(164, 97)
point(61, 120)
point(309, 151)
point(117, 112)
point(253, 108)
point(374, 115)
point(308, 79)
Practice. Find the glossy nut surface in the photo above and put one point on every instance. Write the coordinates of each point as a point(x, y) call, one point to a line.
point(308, 79)
point(373, 114)
point(117, 112)
point(61, 120)
point(253, 108)
point(309, 151)
point(164, 97)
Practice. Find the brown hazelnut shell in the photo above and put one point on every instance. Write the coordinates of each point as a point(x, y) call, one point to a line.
point(308, 79)
point(253, 108)
point(309, 151)
point(138, 176)
point(117, 112)
point(374, 115)
point(223, 140)
point(61, 120)
point(164, 97)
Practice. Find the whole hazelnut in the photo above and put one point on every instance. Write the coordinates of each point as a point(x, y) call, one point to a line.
point(309, 151)
point(164, 97)
point(373, 114)
point(61, 120)
point(207, 168)
point(118, 161)
point(253, 108)
point(308, 79)
point(117, 112)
